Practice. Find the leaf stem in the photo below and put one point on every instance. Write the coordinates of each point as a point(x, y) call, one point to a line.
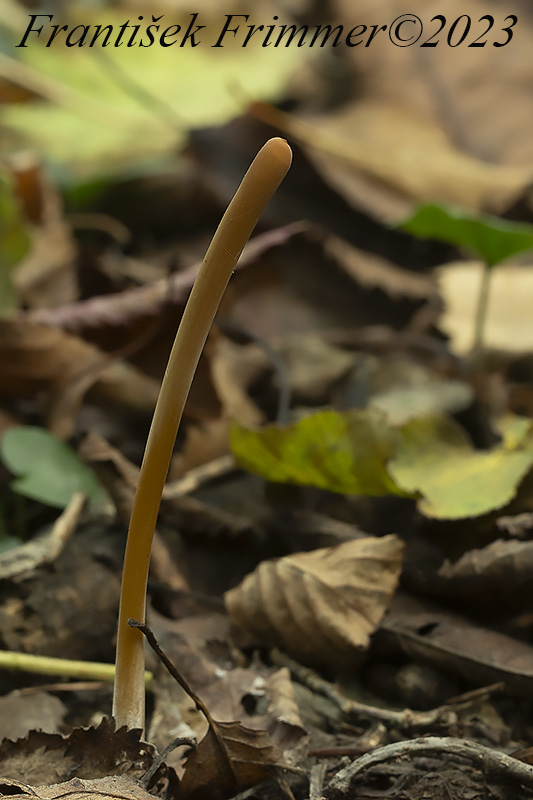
point(258, 185)
point(481, 314)
point(61, 667)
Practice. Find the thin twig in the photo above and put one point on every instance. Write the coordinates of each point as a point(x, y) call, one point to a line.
point(176, 674)
point(316, 780)
point(179, 741)
point(149, 300)
point(492, 763)
point(178, 677)
point(197, 477)
point(442, 717)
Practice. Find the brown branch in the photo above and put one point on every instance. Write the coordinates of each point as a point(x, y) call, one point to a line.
point(492, 763)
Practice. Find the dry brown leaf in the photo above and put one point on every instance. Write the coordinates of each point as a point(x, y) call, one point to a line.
point(287, 730)
point(108, 788)
point(20, 713)
point(424, 122)
point(37, 358)
point(458, 87)
point(372, 271)
point(502, 569)
point(447, 641)
point(313, 366)
point(33, 357)
point(202, 444)
point(46, 277)
point(261, 700)
point(234, 757)
point(97, 752)
point(354, 152)
point(422, 125)
point(259, 697)
point(230, 756)
point(321, 606)
point(418, 164)
point(234, 370)
point(118, 475)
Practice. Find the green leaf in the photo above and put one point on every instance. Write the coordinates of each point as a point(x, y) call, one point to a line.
point(342, 452)
point(14, 243)
point(491, 238)
point(436, 460)
point(358, 452)
point(47, 469)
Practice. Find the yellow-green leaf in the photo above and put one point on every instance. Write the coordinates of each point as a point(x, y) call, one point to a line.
point(342, 452)
point(103, 110)
point(436, 460)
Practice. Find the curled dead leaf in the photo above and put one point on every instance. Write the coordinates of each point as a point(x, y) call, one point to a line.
point(321, 606)
point(230, 756)
point(287, 729)
point(86, 753)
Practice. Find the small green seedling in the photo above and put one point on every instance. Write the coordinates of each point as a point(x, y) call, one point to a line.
point(258, 185)
point(492, 239)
